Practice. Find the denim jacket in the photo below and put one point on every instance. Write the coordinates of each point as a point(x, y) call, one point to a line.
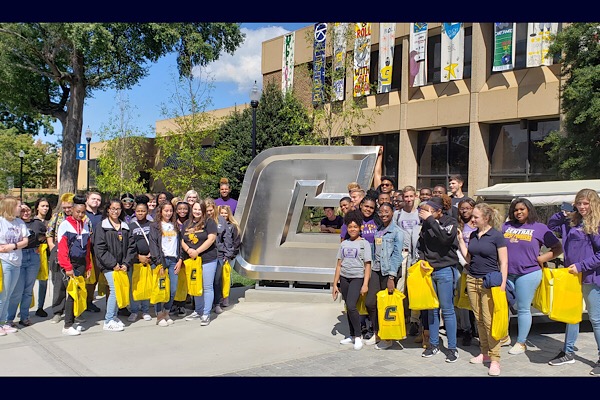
point(391, 251)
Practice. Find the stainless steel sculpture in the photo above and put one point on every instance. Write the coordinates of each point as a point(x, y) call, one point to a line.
point(278, 186)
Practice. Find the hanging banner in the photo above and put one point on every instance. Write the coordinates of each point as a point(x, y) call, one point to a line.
point(504, 46)
point(362, 59)
point(320, 35)
point(453, 50)
point(287, 66)
point(340, 31)
point(539, 38)
point(418, 54)
point(387, 42)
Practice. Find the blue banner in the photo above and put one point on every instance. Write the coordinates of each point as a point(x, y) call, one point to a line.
point(81, 150)
point(318, 92)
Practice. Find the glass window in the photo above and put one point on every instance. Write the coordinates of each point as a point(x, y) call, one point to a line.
point(390, 143)
point(397, 67)
point(509, 149)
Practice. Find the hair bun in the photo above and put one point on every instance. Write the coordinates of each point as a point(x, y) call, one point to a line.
point(142, 199)
point(223, 181)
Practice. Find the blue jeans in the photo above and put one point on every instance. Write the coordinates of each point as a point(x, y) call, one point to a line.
point(134, 306)
point(591, 296)
point(111, 302)
point(525, 287)
point(170, 263)
point(203, 304)
point(10, 277)
point(444, 282)
point(21, 295)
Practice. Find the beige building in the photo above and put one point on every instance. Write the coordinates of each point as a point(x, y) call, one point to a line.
point(484, 127)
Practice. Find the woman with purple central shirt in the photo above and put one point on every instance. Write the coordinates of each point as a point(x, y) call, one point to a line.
point(225, 199)
point(524, 238)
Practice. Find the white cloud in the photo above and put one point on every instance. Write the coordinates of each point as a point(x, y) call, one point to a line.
point(244, 66)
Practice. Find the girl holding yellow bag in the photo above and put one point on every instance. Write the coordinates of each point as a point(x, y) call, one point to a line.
point(114, 252)
point(486, 253)
point(140, 230)
point(230, 239)
point(199, 240)
point(43, 212)
point(580, 232)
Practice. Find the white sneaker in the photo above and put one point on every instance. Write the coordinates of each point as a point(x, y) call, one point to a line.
point(132, 317)
point(2, 333)
point(371, 341)
point(170, 321)
point(518, 348)
point(505, 341)
point(193, 317)
point(112, 326)
point(71, 331)
point(204, 320)
point(119, 322)
point(147, 317)
point(347, 340)
point(358, 344)
point(384, 344)
point(163, 322)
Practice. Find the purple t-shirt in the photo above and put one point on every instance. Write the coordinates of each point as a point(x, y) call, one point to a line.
point(232, 203)
point(523, 242)
point(367, 229)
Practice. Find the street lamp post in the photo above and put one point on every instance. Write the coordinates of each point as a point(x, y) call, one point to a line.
point(88, 138)
point(21, 156)
point(254, 96)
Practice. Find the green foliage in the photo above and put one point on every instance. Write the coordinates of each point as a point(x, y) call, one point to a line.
point(576, 151)
point(281, 120)
point(123, 154)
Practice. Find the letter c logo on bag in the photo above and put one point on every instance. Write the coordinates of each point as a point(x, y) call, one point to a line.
point(193, 275)
point(390, 313)
point(161, 283)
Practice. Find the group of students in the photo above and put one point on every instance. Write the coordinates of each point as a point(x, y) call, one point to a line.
point(84, 239)
point(385, 231)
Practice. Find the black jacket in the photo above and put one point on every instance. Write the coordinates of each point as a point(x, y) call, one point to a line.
point(109, 249)
point(438, 241)
point(156, 253)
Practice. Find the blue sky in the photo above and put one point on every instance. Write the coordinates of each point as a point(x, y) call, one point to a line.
point(233, 77)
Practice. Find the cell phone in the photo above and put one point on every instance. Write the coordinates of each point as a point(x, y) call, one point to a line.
point(568, 207)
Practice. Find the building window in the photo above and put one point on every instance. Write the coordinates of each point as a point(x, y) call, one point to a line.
point(434, 56)
point(441, 154)
point(390, 143)
point(521, 39)
point(516, 152)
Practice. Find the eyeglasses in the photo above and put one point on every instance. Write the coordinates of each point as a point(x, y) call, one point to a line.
point(114, 209)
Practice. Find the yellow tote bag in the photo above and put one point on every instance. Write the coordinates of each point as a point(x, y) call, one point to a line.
point(102, 284)
point(226, 279)
point(421, 295)
point(462, 298)
point(500, 315)
point(76, 289)
point(390, 314)
point(360, 305)
point(160, 285)
point(541, 298)
point(121, 279)
point(92, 279)
point(141, 282)
point(43, 272)
point(193, 272)
point(567, 297)
point(182, 290)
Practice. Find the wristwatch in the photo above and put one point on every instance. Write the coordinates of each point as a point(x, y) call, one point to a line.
point(391, 277)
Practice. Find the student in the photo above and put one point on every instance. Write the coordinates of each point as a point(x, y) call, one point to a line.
point(455, 184)
point(216, 286)
point(182, 213)
point(92, 211)
point(352, 271)
point(231, 240)
point(140, 231)
point(74, 257)
point(114, 252)
point(199, 240)
point(151, 206)
point(486, 254)
point(13, 237)
point(425, 194)
point(331, 223)
point(191, 196)
point(42, 211)
point(128, 206)
point(225, 198)
point(345, 205)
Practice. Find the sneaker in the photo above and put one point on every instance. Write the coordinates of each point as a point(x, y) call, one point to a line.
point(205, 320)
point(596, 370)
point(562, 358)
point(181, 312)
point(9, 329)
point(147, 317)
point(480, 359)
point(80, 319)
point(347, 340)
point(112, 326)
point(163, 322)
point(92, 307)
point(225, 302)
point(26, 322)
point(193, 317)
point(11, 324)
point(55, 319)
point(505, 341)
point(383, 344)
point(430, 351)
point(71, 331)
point(218, 309)
point(413, 329)
point(371, 341)
point(169, 320)
point(358, 344)
point(124, 312)
point(494, 369)
point(119, 322)
point(41, 313)
point(2, 333)
point(133, 317)
point(452, 356)
point(518, 348)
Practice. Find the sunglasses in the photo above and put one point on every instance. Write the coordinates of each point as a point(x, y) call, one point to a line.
point(127, 201)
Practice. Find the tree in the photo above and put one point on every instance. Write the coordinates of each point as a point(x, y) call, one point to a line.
point(123, 155)
point(49, 69)
point(187, 159)
point(576, 150)
point(281, 120)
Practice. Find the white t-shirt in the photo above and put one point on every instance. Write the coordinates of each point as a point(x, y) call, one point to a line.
point(169, 240)
point(12, 232)
point(407, 221)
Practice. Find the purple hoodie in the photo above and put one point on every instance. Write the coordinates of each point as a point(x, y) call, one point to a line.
point(580, 249)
